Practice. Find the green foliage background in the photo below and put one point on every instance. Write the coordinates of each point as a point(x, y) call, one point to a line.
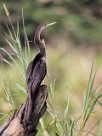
point(72, 44)
point(79, 20)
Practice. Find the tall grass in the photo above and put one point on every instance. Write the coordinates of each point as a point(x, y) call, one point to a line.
point(18, 58)
point(53, 123)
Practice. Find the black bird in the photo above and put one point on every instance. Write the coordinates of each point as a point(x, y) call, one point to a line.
point(36, 70)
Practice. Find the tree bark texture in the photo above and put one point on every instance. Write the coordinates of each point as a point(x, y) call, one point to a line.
point(26, 118)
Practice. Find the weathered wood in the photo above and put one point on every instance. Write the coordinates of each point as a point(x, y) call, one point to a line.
point(25, 119)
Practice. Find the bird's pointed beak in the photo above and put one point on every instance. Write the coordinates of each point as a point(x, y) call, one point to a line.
point(51, 24)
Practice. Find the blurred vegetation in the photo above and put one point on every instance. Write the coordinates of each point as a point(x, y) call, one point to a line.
point(78, 20)
point(79, 23)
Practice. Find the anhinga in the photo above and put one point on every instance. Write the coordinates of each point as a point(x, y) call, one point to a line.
point(36, 70)
point(37, 67)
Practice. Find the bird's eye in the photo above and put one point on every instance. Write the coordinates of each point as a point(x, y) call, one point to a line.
point(45, 24)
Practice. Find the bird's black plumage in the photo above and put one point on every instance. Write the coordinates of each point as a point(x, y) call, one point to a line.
point(35, 73)
point(36, 70)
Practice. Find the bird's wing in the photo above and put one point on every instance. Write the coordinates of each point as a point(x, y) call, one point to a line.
point(30, 67)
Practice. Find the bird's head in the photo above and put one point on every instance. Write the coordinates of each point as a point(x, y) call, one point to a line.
point(43, 26)
point(38, 41)
point(39, 30)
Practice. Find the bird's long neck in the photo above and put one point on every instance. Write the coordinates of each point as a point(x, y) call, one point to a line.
point(40, 42)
